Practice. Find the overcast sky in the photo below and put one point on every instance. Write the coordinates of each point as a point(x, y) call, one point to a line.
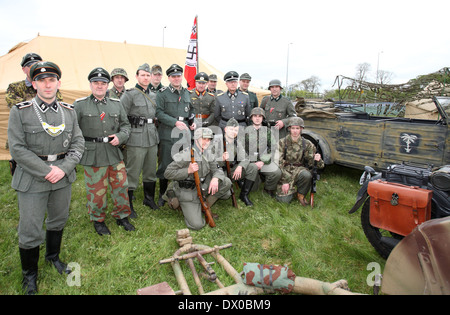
point(329, 37)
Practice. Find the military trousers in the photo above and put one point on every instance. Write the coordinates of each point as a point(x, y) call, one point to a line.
point(250, 172)
point(301, 179)
point(272, 175)
point(32, 209)
point(190, 203)
point(97, 180)
point(141, 159)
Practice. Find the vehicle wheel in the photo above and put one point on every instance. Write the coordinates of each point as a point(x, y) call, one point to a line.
point(375, 234)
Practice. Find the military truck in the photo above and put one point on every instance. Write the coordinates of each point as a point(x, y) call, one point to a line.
point(358, 139)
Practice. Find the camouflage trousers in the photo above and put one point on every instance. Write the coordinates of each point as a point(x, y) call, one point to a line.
point(299, 181)
point(97, 180)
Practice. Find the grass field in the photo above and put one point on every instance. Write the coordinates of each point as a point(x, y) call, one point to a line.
point(325, 243)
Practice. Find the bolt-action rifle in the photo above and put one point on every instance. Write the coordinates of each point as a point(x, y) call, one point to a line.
point(315, 177)
point(205, 208)
point(227, 163)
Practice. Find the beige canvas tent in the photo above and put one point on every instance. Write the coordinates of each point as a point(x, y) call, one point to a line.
point(77, 57)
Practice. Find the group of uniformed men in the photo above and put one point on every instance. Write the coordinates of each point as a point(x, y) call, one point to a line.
point(118, 134)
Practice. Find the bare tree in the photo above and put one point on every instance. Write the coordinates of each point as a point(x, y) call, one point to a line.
point(384, 77)
point(362, 70)
point(311, 84)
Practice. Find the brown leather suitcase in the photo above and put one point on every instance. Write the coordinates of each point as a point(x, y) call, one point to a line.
point(398, 208)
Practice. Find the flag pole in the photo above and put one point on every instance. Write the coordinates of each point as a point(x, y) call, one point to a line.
point(198, 59)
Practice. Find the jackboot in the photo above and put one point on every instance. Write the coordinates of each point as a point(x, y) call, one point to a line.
point(245, 190)
point(126, 224)
point(133, 214)
point(53, 247)
point(149, 195)
point(302, 200)
point(29, 259)
point(162, 189)
point(101, 228)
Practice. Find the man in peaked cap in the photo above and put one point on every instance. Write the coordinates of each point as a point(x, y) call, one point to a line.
point(22, 91)
point(142, 146)
point(105, 126)
point(118, 77)
point(212, 84)
point(233, 103)
point(155, 78)
point(46, 159)
point(244, 83)
point(182, 190)
point(174, 108)
point(203, 101)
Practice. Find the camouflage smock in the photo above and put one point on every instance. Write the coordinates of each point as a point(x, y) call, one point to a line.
point(294, 156)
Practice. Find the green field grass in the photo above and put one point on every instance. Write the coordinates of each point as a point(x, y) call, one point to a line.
point(325, 243)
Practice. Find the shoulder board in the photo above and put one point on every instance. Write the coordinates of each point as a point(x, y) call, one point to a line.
point(66, 105)
point(81, 99)
point(211, 94)
point(245, 93)
point(24, 104)
point(163, 89)
point(114, 99)
point(220, 94)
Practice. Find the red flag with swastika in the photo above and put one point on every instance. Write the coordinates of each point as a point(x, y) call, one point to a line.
point(190, 69)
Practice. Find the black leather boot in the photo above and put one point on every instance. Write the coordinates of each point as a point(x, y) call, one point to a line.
point(29, 259)
point(101, 228)
point(126, 224)
point(162, 189)
point(53, 247)
point(133, 214)
point(245, 190)
point(149, 195)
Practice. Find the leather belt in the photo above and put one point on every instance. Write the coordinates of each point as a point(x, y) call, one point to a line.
point(201, 116)
point(238, 120)
point(52, 157)
point(187, 184)
point(99, 139)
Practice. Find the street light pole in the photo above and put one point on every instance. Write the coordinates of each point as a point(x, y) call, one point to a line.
point(378, 65)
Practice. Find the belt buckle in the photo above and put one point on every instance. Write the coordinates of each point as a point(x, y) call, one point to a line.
point(105, 139)
point(52, 158)
point(150, 121)
point(180, 118)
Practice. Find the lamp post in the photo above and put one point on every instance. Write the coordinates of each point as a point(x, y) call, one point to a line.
point(287, 70)
point(378, 66)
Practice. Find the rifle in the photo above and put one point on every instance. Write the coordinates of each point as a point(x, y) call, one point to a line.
point(315, 177)
point(233, 196)
point(205, 208)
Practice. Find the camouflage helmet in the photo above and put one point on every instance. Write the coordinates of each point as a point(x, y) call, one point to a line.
point(296, 121)
point(203, 133)
point(275, 82)
point(119, 71)
point(258, 111)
